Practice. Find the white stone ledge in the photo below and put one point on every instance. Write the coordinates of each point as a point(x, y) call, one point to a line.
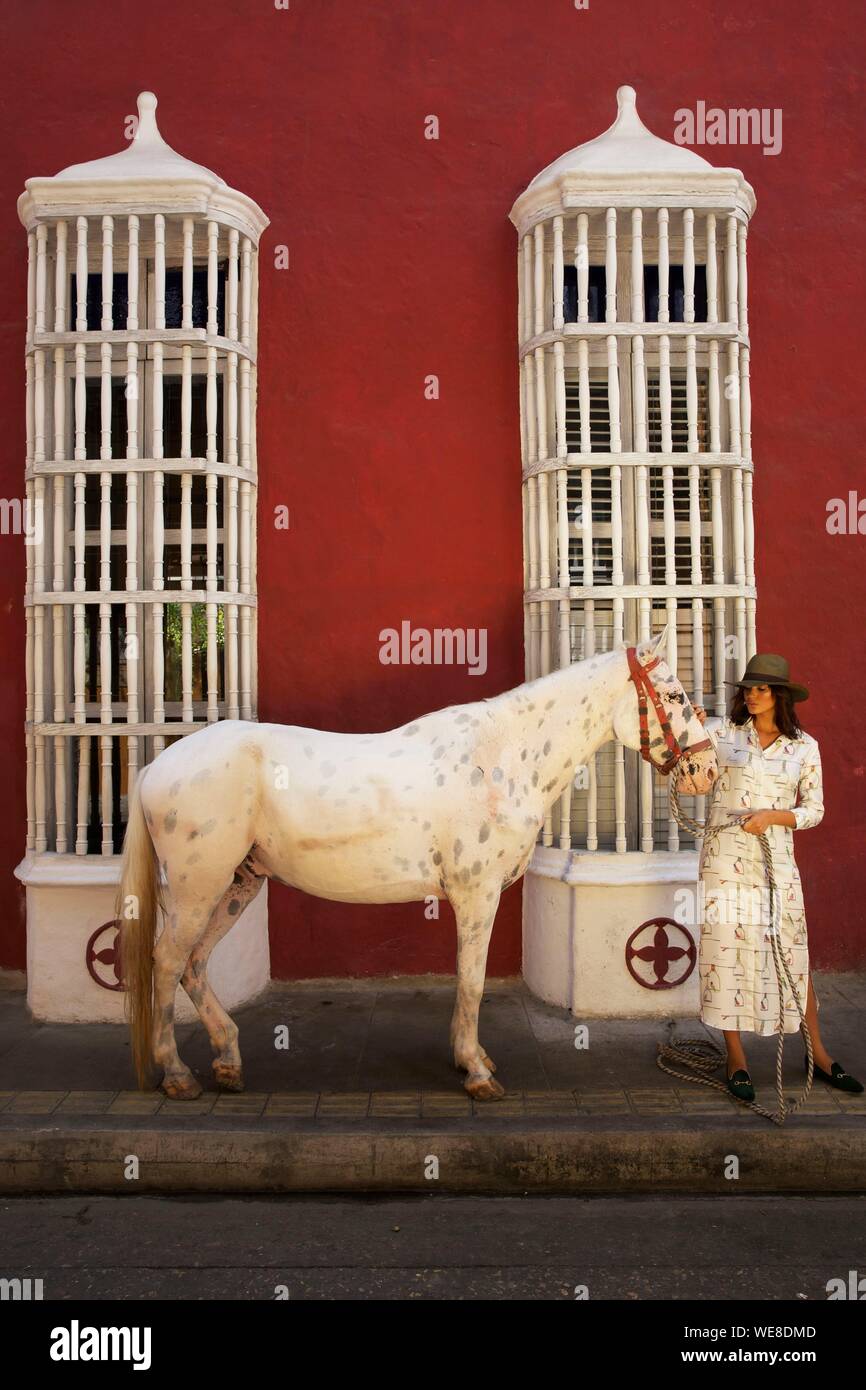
point(69, 870)
point(581, 866)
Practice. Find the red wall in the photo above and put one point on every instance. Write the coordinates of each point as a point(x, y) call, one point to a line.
point(403, 263)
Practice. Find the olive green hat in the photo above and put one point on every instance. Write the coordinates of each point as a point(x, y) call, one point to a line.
point(766, 668)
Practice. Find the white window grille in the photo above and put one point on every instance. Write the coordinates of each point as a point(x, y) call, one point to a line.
point(636, 439)
point(140, 476)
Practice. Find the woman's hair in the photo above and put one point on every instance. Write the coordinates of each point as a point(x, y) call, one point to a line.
point(786, 715)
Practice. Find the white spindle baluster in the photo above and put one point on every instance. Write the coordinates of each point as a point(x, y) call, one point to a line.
point(539, 302)
point(581, 261)
point(232, 288)
point(246, 290)
point(158, 526)
point(528, 312)
point(41, 276)
point(132, 227)
point(246, 585)
point(664, 267)
point(212, 278)
point(107, 273)
point(31, 286)
point(637, 305)
point(610, 266)
point(731, 271)
point(59, 404)
point(742, 280)
point(558, 277)
point(712, 271)
point(60, 273)
point(688, 265)
point(159, 270)
point(186, 274)
point(39, 405)
point(81, 276)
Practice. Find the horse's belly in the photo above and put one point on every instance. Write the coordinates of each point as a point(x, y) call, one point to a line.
point(358, 867)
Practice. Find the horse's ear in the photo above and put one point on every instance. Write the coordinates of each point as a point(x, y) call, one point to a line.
point(659, 644)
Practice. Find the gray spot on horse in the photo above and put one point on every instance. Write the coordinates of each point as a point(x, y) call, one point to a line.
point(234, 907)
point(327, 769)
point(484, 833)
point(412, 729)
point(498, 774)
point(477, 776)
point(170, 822)
point(175, 787)
point(201, 776)
point(458, 850)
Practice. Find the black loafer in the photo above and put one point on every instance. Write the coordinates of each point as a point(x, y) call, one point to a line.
point(740, 1085)
point(837, 1077)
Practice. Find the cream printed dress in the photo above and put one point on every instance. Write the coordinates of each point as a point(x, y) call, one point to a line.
point(736, 968)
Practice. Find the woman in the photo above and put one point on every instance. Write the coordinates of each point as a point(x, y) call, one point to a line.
point(767, 763)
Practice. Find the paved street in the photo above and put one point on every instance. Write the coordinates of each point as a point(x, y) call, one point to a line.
point(435, 1247)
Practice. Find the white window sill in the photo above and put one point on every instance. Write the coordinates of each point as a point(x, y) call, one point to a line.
point(68, 870)
point(576, 866)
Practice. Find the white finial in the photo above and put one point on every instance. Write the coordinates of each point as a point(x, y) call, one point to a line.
point(147, 127)
point(626, 97)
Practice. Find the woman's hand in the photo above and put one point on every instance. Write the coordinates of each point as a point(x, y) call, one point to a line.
point(700, 712)
point(758, 822)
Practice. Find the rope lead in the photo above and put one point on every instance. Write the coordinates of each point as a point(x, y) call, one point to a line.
point(701, 1056)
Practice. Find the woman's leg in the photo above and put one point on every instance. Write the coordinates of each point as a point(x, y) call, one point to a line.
point(819, 1051)
point(736, 1055)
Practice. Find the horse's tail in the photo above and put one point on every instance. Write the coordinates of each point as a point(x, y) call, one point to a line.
point(138, 901)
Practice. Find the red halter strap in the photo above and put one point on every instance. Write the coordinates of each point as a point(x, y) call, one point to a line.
point(644, 686)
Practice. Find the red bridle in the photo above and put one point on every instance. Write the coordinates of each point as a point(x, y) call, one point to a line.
point(644, 686)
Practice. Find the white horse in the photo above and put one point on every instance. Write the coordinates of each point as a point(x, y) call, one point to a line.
point(448, 806)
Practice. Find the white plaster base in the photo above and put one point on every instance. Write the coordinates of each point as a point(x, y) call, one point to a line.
point(67, 900)
point(580, 908)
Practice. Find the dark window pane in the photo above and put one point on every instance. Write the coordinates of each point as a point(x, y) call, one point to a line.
point(596, 293)
point(171, 423)
point(119, 300)
point(676, 293)
point(174, 297)
point(93, 417)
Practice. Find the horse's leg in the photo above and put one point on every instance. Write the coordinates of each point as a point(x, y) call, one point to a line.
point(191, 910)
point(475, 911)
point(221, 1028)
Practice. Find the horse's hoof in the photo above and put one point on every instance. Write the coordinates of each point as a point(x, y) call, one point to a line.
point(181, 1087)
point(227, 1077)
point(484, 1088)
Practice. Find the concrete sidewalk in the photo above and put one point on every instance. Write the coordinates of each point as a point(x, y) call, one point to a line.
point(364, 1099)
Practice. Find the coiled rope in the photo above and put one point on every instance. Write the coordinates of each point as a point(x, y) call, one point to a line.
point(700, 1056)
